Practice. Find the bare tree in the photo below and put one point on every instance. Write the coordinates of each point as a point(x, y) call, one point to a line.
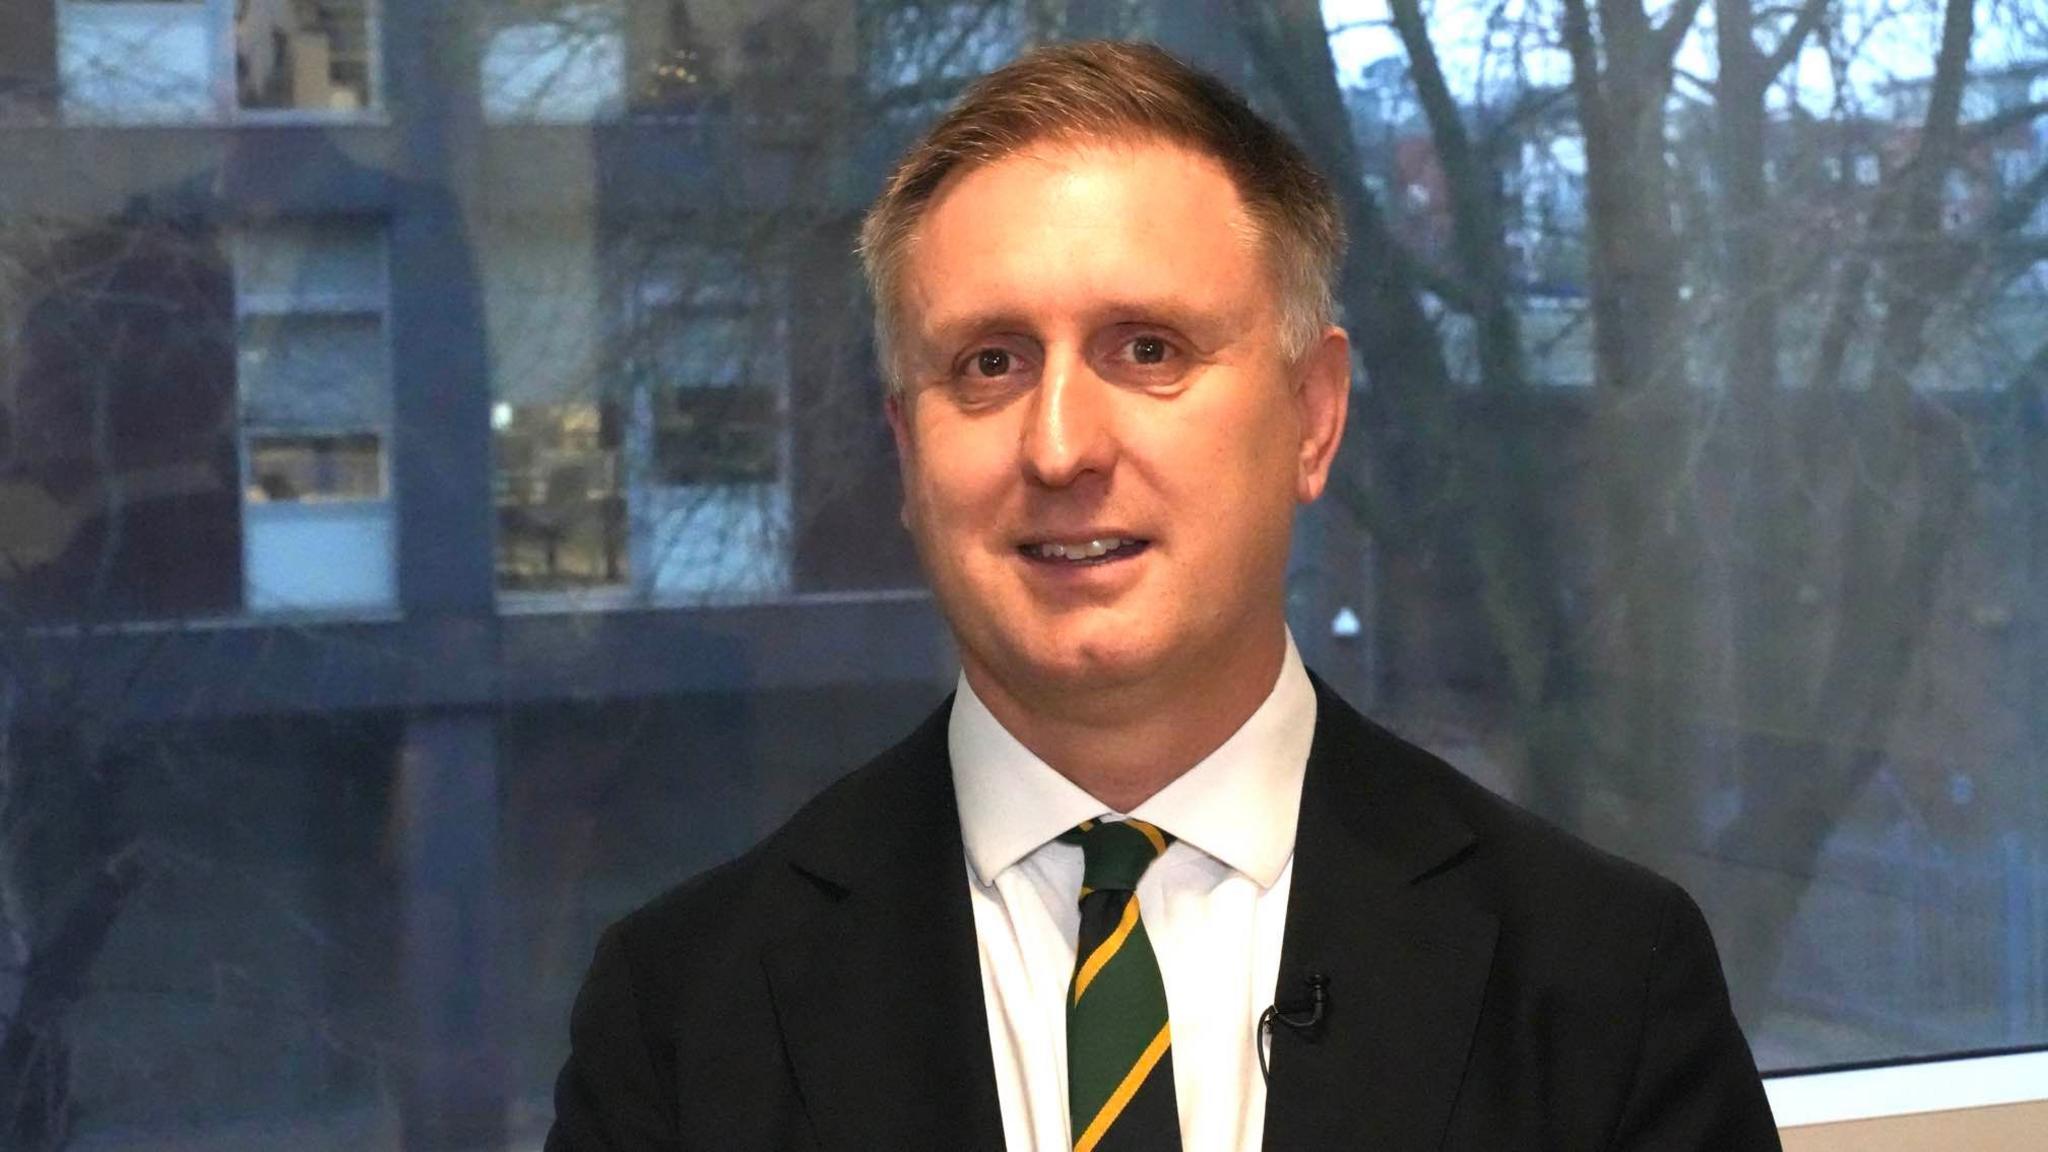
point(1775, 493)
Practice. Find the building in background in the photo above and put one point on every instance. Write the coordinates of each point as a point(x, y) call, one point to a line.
point(444, 499)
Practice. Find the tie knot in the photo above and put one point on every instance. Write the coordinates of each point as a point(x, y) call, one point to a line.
point(1117, 852)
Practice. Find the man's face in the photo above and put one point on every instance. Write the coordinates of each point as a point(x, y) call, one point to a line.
point(1101, 439)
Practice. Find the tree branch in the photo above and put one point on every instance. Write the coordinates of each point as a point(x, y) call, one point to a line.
point(1585, 55)
point(1671, 34)
point(1794, 41)
point(2017, 207)
point(1530, 105)
point(2004, 120)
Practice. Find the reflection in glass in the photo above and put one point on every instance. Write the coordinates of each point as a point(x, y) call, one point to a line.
point(553, 63)
point(1695, 496)
point(646, 450)
point(135, 62)
point(315, 469)
point(144, 61)
point(315, 390)
point(559, 501)
point(304, 54)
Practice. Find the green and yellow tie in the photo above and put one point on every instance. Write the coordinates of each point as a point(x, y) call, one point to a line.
point(1119, 1045)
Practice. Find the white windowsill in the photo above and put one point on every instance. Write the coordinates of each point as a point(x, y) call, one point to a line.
point(1905, 1089)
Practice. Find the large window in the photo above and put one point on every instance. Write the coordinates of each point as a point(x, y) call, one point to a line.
point(648, 453)
point(200, 422)
point(137, 61)
point(315, 416)
point(570, 61)
point(445, 498)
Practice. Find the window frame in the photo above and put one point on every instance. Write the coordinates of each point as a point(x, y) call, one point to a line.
point(279, 306)
point(223, 104)
point(1804, 1098)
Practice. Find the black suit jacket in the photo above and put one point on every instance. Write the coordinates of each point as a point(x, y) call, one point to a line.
point(1494, 984)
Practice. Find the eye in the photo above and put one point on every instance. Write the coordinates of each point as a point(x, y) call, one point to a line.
point(1149, 350)
point(991, 373)
point(992, 362)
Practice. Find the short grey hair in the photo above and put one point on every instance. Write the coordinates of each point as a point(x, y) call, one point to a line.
point(1116, 91)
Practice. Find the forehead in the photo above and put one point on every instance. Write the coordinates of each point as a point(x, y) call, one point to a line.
point(1075, 223)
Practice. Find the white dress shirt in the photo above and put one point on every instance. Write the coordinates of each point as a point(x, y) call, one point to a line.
point(1214, 907)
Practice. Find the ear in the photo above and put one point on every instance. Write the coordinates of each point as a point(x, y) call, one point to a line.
point(1322, 395)
point(895, 406)
point(892, 407)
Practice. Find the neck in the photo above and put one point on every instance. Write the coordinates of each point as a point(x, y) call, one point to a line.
point(1123, 744)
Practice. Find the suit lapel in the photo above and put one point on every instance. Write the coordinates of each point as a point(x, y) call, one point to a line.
point(1406, 963)
point(879, 997)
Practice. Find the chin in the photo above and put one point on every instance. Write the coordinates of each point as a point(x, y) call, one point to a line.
point(1095, 658)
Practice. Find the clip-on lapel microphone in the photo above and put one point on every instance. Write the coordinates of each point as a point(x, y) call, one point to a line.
point(1302, 1017)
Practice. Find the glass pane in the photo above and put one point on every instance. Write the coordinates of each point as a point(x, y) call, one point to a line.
point(676, 58)
point(554, 62)
point(313, 372)
point(1694, 496)
point(252, 974)
point(118, 461)
point(326, 558)
point(545, 311)
point(312, 55)
point(560, 503)
point(29, 90)
point(715, 542)
point(135, 62)
point(315, 469)
point(307, 265)
point(718, 436)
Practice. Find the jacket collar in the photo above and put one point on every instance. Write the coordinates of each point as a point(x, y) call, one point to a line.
point(879, 997)
point(1405, 959)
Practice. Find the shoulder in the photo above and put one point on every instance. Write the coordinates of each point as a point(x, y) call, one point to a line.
point(774, 887)
point(1547, 886)
point(1605, 1005)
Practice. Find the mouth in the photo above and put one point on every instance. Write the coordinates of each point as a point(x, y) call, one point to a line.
point(1083, 552)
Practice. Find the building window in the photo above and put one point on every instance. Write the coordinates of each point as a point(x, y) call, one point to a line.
point(147, 61)
point(129, 62)
point(315, 401)
point(642, 444)
point(557, 412)
point(553, 62)
point(118, 462)
point(577, 61)
point(704, 344)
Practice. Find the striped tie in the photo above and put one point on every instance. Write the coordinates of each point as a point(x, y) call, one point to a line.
point(1119, 1046)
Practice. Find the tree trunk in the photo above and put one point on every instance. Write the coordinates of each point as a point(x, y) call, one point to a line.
point(1648, 581)
point(1900, 519)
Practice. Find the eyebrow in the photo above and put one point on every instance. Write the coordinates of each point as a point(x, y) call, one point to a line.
point(1173, 314)
point(966, 324)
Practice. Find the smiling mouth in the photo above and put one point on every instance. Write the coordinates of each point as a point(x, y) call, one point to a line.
point(1080, 553)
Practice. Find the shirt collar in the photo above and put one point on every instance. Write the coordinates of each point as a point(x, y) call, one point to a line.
point(1239, 804)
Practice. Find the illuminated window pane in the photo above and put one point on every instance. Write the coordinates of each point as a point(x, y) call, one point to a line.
point(561, 506)
point(315, 469)
point(305, 54)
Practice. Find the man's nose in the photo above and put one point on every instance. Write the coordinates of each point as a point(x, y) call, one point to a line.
point(1069, 430)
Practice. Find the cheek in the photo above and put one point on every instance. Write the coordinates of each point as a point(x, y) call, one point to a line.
point(950, 494)
point(1232, 461)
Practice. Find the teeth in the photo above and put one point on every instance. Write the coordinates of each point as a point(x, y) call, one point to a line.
point(1088, 551)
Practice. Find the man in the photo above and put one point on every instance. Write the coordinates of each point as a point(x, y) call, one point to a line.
point(1056, 915)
